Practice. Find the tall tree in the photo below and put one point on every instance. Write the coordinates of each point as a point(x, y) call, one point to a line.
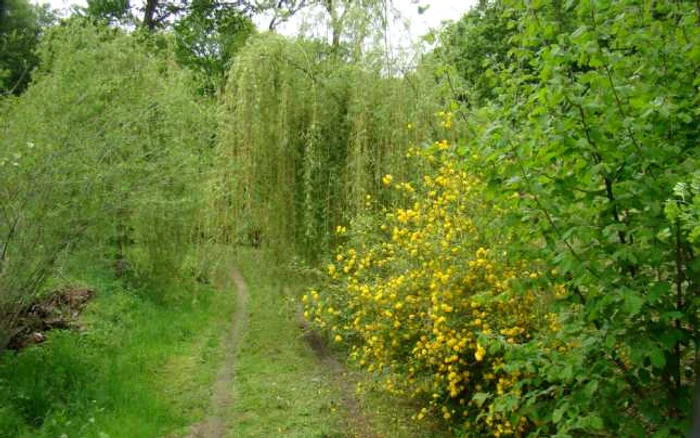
point(477, 45)
point(20, 27)
point(113, 11)
point(149, 19)
point(207, 37)
point(353, 22)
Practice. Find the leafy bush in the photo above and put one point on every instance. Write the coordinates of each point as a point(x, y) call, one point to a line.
point(427, 298)
point(575, 152)
point(593, 136)
point(105, 147)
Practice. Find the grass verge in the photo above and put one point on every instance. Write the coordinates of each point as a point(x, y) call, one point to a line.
point(139, 368)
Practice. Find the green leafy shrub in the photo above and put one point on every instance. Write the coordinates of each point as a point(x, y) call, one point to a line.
point(592, 127)
point(103, 150)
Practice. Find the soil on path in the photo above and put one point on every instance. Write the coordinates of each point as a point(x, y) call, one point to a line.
point(216, 425)
point(357, 423)
point(222, 397)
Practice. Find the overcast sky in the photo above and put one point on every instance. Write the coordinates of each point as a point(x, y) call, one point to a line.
point(419, 24)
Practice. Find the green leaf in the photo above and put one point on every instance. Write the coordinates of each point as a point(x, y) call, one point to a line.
point(480, 398)
point(568, 372)
point(657, 358)
point(593, 421)
point(596, 62)
point(633, 302)
point(591, 388)
point(596, 422)
point(558, 413)
point(657, 291)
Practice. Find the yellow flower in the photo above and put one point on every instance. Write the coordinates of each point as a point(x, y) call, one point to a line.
point(480, 352)
point(387, 179)
point(338, 338)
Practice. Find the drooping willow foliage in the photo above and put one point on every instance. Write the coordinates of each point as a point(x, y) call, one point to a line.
point(304, 138)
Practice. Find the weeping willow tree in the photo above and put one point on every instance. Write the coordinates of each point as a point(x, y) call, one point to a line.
point(305, 137)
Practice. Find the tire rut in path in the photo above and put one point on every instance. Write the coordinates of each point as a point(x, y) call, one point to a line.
point(356, 421)
point(215, 425)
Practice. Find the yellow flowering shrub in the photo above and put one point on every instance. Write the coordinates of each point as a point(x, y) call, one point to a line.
point(421, 299)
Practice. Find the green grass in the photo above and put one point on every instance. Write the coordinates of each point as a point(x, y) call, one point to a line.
point(391, 416)
point(139, 368)
point(145, 367)
point(281, 388)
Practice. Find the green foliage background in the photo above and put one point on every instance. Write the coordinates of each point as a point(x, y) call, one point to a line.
point(594, 124)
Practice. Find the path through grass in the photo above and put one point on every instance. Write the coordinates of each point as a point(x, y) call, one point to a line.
point(231, 359)
point(280, 387)
point(288, 383)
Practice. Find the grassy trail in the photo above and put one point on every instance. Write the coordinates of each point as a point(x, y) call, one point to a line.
point(287, 382)
point(215, 425)
point(229, 360)
point(280, 388)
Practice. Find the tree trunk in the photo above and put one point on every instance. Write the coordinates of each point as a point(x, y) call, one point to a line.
point(336, 25)
point(149, 14)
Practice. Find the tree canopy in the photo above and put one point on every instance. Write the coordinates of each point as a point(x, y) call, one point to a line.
point(21, 24)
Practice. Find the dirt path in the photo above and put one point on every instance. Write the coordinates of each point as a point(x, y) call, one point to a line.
point(357, 423)
point(215, 426)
